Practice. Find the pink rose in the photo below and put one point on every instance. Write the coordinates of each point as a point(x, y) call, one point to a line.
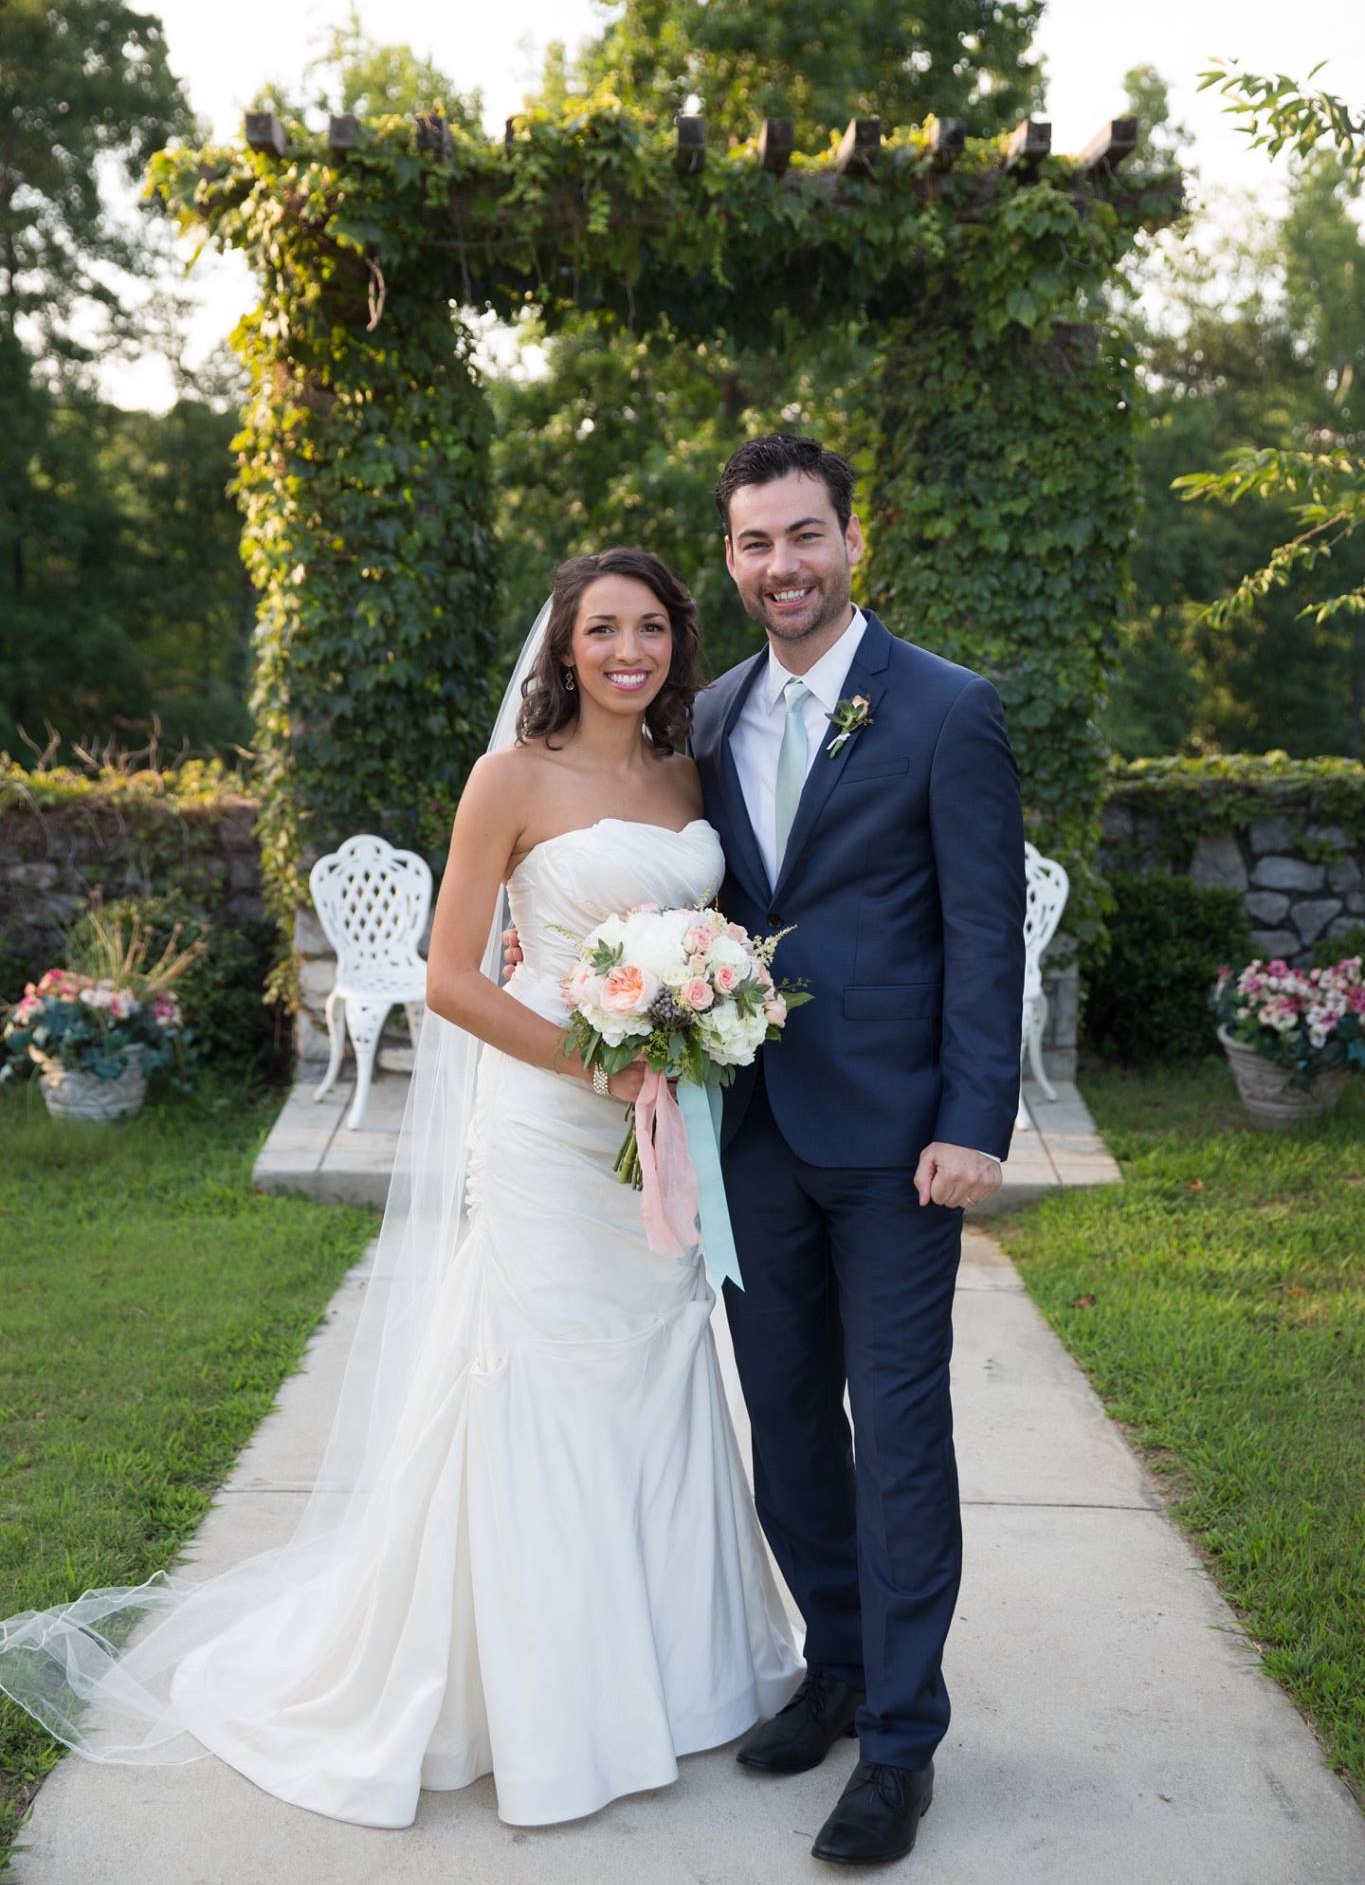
point(775, 1010)
point(728, 979)
point(699, 938)
point(583, 986)
point(628, 989)
point(737, 932)
point(698, 993)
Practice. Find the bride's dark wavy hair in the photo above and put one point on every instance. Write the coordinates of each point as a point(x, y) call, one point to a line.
point(548, 706)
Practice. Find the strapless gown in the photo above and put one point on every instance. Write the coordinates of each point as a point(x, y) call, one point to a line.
point(564, 1582)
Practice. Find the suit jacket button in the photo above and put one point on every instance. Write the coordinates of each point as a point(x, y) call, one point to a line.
point(774, 919)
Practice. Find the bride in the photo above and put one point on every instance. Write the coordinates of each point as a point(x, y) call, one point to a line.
point(531, 1550)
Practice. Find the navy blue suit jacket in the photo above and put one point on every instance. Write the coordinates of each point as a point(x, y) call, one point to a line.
point(904, 879)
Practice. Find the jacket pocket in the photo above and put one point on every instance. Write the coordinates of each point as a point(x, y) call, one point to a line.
point(894, 1001)
point(884, 769)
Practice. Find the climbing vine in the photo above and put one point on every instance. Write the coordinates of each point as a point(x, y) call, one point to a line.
point(1004, 511)
point(1002, 496)
point(1181, 799)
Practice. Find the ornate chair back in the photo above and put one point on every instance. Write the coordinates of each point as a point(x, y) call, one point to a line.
point(372, 902)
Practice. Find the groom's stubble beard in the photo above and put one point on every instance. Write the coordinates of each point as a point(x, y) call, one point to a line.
point(836, 594)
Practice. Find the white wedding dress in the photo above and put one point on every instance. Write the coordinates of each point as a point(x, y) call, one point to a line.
point(559, 1576)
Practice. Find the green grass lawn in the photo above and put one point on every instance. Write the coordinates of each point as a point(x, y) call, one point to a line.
point(150, 1306)
point(1217, 1302)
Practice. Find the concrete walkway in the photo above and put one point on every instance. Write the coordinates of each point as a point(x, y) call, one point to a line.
point(310, 1149)
point(1112, 1725)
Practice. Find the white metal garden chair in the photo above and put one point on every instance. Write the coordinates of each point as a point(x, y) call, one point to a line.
point(372, 902)
point(1048, 887)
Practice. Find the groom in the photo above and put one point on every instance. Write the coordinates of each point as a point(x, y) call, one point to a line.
point(865, 794)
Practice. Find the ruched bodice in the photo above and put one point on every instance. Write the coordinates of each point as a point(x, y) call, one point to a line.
point(565, 886)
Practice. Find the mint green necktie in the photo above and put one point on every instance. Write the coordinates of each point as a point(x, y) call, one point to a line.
point(791, 764)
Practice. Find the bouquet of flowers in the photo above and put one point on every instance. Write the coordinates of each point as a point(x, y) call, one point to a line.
point(1307, 1020)
point(695, 996)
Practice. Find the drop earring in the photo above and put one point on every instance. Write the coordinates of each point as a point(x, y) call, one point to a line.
point(569, 682)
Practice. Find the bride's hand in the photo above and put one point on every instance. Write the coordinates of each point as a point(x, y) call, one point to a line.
point(511, 952)
point(626, 1084)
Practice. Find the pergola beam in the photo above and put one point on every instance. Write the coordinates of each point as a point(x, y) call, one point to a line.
point(858, 147)
point(947, 141)
point(1110, 145)
point(264, 132)
point(776, 141)
point(433, 133)
point(689, 156)
point(1029, 143)
point(343, 132)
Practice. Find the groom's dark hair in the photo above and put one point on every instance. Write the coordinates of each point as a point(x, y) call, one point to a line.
point(760, 461)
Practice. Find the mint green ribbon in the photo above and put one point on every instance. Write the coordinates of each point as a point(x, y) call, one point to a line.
point(701, 1107)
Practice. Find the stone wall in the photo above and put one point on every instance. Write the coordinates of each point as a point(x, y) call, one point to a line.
point(54, 852)
point(1301, 879)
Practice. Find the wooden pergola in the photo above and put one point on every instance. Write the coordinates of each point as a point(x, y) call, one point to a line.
point(976, 264)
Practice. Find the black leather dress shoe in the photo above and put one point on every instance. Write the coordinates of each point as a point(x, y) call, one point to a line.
point(877, 1816)
point(820, 1712)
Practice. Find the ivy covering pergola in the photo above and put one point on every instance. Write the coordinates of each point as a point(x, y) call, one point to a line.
point(1002, 502)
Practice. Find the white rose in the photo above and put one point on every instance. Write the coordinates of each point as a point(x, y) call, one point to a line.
point(653, 940)
point(730, 1038)
point(610, 932)
point(615, 1028)
point(726, 953)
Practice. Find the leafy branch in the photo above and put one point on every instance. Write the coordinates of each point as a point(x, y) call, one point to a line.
point(1281, 114)
point(1325, 490)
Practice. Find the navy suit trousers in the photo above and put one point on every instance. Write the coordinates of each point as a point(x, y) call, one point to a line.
point(848, 1278)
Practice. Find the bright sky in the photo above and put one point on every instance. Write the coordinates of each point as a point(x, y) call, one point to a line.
point(225, 55)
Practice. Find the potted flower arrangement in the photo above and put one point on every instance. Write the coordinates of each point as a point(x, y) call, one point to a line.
point(1291, 1035)
point(97, 1029)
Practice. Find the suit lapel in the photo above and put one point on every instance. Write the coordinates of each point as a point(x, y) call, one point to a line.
point(867, 676)
point(744, 856)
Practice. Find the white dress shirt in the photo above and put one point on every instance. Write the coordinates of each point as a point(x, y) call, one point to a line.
point(757, 736)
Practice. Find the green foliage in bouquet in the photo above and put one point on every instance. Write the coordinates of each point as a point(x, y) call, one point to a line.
point(1146, 997)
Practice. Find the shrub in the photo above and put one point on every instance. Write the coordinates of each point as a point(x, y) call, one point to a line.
point(221, 993)
point(1147, 998)
point(1329, 950)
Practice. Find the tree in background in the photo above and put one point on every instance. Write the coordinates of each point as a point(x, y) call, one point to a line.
point(117, 555)
point(1296, 620)
point(1245, 332)
point(124, 605)
point(607, 436)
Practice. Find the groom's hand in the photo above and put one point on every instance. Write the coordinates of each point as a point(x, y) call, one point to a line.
point(955, 1175)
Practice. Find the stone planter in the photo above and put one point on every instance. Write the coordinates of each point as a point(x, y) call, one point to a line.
point(1270, 1100)
point(71, 1094)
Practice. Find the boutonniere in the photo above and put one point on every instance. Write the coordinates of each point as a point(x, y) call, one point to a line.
point(850, 717)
